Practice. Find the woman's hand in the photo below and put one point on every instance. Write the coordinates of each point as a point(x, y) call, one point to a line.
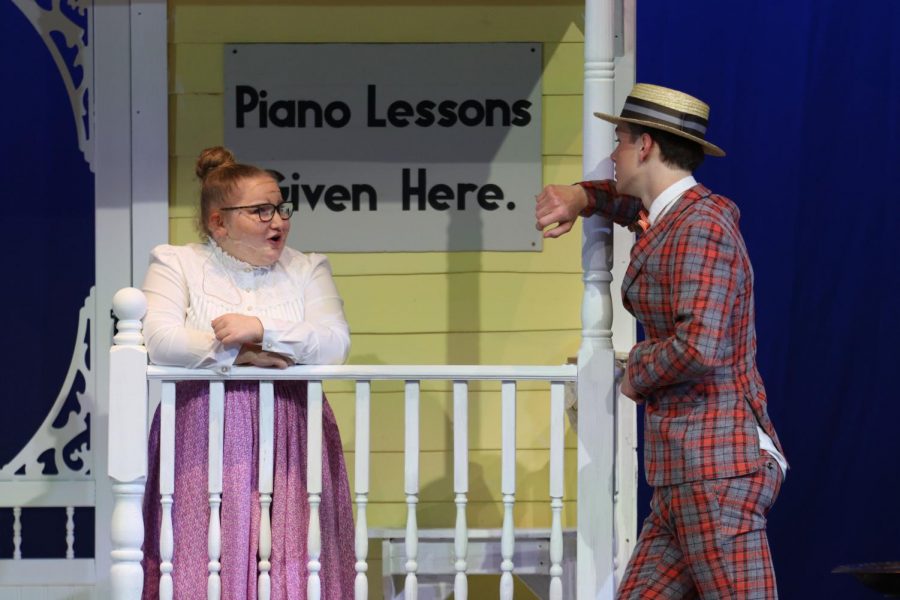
point(251, 354)
point(233, 328)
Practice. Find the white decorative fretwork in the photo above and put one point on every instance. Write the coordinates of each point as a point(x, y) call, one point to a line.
point(68, 21)
point(69, 443)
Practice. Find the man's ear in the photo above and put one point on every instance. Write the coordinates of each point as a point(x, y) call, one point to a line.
point(646, 144)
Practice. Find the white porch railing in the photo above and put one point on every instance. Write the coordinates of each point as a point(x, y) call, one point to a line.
point(129, 412)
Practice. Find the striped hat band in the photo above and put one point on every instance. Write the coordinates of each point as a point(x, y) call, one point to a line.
point(635, 108)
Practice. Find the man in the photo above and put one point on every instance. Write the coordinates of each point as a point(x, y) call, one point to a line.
point(710, 450)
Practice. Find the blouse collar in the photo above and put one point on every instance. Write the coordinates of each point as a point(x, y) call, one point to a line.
point(234, 264)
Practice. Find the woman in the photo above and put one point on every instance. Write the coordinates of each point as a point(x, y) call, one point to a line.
point(244, 298)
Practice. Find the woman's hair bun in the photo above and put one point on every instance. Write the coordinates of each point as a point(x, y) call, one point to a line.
point(212, 158)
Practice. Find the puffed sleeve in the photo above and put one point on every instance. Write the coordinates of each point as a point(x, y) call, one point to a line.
point(323, 336)
point(168, 341)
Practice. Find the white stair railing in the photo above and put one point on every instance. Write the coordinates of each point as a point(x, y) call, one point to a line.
point(127, 529)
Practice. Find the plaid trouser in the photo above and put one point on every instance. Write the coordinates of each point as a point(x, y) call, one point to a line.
point(707, 539)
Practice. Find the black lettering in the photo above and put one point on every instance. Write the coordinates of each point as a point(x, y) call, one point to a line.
point(303, 108)
point(409, 191)
point(370, 103)
point(245, 101)
point(447, 110)
point(438, 194)
point(487, 196)
point(335, 197)
point(523, 117)
point(263, 110)
point(399, 113)
point(426, 116)
point(312, 194)
point(340, 120)
point(492, 106)
point(464, 117)
point(461, 190)
point(364, 188)
point(288, 116)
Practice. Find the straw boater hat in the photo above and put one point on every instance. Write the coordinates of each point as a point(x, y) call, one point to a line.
point(670, 110)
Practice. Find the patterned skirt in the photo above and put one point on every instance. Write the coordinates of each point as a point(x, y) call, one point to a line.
point(240, 510)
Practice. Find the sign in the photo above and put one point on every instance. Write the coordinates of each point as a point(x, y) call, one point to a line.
point(394, 147)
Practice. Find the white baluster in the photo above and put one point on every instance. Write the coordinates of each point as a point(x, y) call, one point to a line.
point(411, 487)
point(507, 539)
point(216, 445)
point(363, 426)
point(126, 574)
point(314, 486)
point(166, 487)
point(266, 481)
point(461, 484)
point(127, 453)
point(17, 533)
point(70, 532)
point(557, 441)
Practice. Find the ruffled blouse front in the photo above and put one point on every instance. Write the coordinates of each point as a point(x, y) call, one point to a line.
point(295, 299)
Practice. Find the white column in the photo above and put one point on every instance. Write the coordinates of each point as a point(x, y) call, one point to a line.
point(596, 408)
point(149, 130)
point(127, 464)
point(624, 327)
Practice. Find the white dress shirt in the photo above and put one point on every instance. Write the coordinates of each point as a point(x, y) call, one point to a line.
point(295, 299)
point(659, 207)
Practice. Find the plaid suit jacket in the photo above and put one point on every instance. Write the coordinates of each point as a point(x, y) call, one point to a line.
point(690, 284)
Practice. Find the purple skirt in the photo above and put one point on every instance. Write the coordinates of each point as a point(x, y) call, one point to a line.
point(240, 511)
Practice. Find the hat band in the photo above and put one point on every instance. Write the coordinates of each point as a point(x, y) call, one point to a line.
point(684, 121)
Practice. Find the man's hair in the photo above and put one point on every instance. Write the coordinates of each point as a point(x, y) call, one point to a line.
point(675, 150)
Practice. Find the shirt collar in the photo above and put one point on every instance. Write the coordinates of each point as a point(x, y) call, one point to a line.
point(664, 201)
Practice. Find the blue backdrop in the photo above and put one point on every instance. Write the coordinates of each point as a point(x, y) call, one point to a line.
point(805, 99)
point(48, 260)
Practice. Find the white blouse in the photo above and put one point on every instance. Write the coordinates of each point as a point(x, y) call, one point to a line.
point(295, 299)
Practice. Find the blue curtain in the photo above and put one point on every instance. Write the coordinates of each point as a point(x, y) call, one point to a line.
point(805, 99)
point(48, 261)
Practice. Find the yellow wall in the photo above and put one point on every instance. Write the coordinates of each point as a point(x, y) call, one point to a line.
point(457, 308)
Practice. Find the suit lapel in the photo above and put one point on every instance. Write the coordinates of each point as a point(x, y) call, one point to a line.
point(645, 245)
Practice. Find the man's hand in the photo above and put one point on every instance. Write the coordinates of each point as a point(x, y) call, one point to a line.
point(628, 390)
point(238, 329)
point(254, 355)
point(559, 204)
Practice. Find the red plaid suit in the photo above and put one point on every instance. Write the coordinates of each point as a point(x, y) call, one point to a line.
point(690, 284)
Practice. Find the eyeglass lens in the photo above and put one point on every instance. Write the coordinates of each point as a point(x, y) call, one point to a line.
point(267, 211)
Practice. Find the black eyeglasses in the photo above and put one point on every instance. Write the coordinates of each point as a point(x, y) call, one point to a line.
point(266, 212)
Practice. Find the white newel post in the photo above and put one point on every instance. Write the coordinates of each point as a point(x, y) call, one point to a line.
point(596, 358)
point(127, 459)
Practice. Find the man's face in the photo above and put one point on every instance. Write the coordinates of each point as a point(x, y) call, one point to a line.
point(626, 158)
